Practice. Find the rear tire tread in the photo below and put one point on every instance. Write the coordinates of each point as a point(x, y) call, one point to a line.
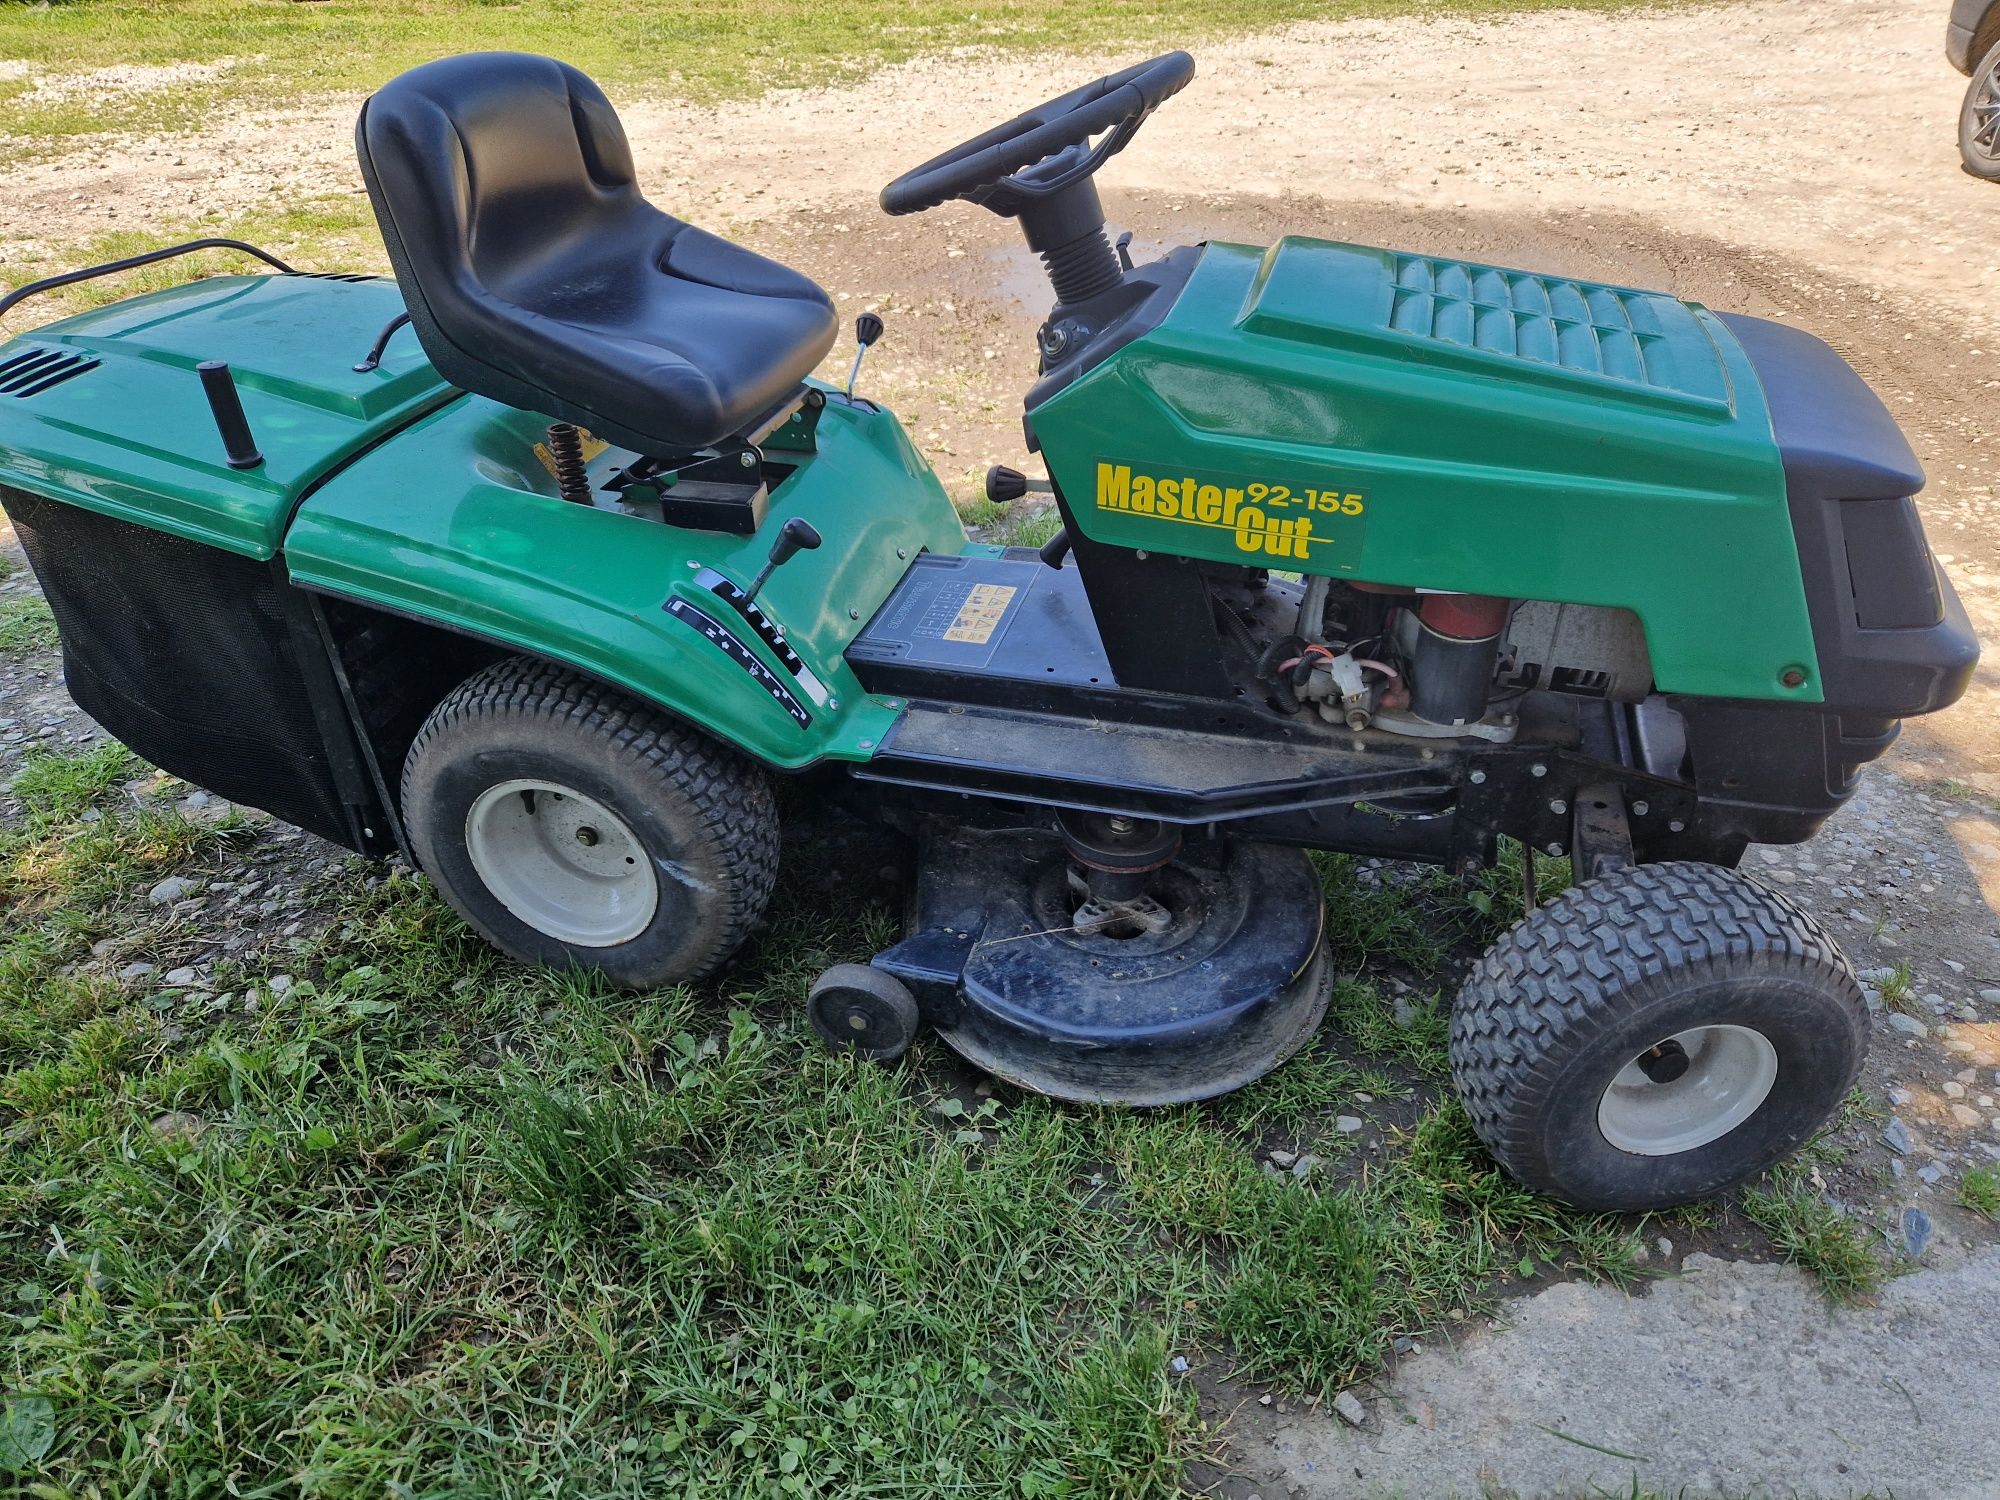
point(731, 797)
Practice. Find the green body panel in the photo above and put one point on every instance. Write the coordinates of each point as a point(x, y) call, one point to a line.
point(455, 520)
point(1401, 419)
point(458, 523)
point(134, 439)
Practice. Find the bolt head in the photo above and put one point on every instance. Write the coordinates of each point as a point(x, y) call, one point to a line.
point(1477, 778)
point(748, 458)
point(833, 705)
point(1555, 846)
point(1538, 769)
point(854, 614)
point(1558, 806)
point(1640, 809)
point(1677, 826)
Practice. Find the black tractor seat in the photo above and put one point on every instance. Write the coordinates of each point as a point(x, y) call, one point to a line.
point(535, 274)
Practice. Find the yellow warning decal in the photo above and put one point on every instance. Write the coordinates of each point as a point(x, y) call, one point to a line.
point(1262, 516)
point(592, 446)
point(980, 615)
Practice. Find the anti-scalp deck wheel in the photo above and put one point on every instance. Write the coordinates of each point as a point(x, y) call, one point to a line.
point(862, 1010)
point(1656, 1036)
point(574, 827)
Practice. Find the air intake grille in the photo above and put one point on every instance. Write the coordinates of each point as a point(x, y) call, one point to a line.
point(33, 371)
point(332, 276)
point(1594, 330)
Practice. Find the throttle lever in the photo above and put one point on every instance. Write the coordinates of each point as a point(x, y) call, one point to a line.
point(867, 329)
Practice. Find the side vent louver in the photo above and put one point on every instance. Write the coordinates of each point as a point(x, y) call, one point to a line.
point(332, 276)
point(33, 371)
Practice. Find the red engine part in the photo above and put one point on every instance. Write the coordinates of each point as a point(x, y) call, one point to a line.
point(1464, 617)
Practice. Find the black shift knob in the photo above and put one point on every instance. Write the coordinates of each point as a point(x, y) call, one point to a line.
point(867, 329)
point(795, 536)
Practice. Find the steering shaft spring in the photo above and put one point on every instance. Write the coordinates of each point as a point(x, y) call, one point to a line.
point(566, 457)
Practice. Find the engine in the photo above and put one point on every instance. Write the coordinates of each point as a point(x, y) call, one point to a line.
point(1442, 665)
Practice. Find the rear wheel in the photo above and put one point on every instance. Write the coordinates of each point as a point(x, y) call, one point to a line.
point(574, 827)
point(1655, 1036)
point(1979, 119)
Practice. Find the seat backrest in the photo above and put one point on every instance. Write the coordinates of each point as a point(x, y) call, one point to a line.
point(479, 166)
point(536, 274)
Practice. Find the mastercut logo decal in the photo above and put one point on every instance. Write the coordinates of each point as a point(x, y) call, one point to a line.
point(1269, 520)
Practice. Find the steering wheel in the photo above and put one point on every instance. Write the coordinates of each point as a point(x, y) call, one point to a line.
point(1038, 154)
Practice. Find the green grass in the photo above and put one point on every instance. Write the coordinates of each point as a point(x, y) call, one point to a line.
point(1899, 991)
point(425, 1220)
point(1812, 1233)
point(269, 52)
point(1980, 1191)
point(26, 625)
point(319, 234)
point(1419, 918)
point(56, 788)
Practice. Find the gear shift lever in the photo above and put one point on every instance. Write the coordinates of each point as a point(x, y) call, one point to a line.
point(795, 536)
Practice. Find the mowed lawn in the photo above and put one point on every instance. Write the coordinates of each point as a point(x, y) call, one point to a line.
point(369, 1211)
point(379, 1213)
point(375, 1212)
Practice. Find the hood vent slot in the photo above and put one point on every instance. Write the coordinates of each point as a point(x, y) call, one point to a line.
point(332, 276)
point(33, 371)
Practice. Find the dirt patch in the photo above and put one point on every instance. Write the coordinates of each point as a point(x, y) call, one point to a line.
point(1823, 133)
point(125, 78)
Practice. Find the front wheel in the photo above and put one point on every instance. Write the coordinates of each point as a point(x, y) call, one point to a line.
point(1656, 1036)
point(576, 828)
point(1979, 119)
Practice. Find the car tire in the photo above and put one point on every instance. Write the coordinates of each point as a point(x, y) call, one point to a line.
point(576, 828)
point(1979, 119)
point(1656, 1036)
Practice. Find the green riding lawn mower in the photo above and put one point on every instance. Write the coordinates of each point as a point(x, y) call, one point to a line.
point(1361, 550)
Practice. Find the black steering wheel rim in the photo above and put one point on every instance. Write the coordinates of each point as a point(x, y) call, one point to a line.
point(987, 169)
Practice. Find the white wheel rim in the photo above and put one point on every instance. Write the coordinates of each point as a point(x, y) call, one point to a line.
point(562, 862)
point(1730, 1073)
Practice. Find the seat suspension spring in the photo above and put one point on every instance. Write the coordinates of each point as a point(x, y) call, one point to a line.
point(566, 451)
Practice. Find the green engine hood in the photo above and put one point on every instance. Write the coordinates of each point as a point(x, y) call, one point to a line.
point(1409, 420)
point(129, 432)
